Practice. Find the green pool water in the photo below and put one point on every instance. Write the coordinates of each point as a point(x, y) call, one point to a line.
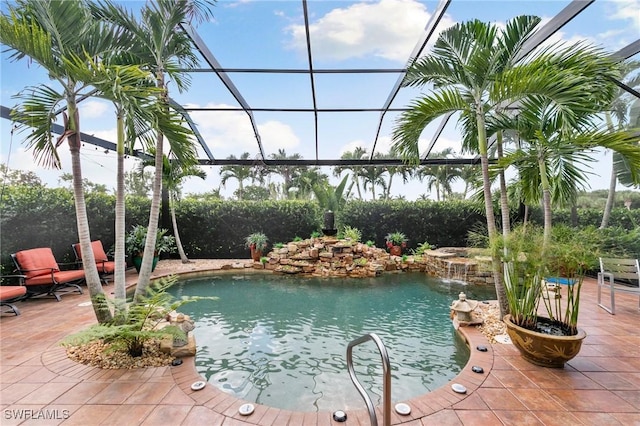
point(281, 341)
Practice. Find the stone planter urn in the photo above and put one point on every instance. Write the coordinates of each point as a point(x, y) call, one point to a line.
point(544, 349)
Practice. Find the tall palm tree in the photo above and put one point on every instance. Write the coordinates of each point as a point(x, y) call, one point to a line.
point(404, 171)
point(373, 176)
point(441, 177)
point(55, 34)
point(474, 72)
point(162, 46)
point(621, 111)
point(288, 173)
point(555, 154)
point(134, 108)
point(305, 180)
point(237, 172)
point(356, 171)
point(173, 173)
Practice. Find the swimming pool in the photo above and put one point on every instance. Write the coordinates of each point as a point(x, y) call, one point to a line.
point(281, 341)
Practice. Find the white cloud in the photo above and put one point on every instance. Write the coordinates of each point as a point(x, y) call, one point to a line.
point(627, 10)
point(228, 133)
point(387, 29)
point(93, 109)
point(276, 135)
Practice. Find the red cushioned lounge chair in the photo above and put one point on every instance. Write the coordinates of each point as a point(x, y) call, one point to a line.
point(105, 266)
point(42, 274)
point(10, 294)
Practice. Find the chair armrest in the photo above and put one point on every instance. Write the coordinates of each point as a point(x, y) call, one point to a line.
point(18, 277)
point(69, 265)
point(605, 275)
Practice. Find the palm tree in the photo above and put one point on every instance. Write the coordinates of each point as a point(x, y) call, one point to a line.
point(555, 154)
point(305, 180)
point(237, 172)
point(356, 171)
point(474, 72)
point(173, 173)
point(439, 176)
point(162, 46)
point(55, 35)
point(620, 110)
point(132, 107)
point(288, 173)
point(404, 171)
point(373, 176)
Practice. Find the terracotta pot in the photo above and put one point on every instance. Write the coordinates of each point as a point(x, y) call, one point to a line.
point(255, 254)
point(544, 349)
point(395, 250)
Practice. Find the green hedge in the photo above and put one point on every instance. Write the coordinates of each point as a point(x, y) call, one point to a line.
point(438, 223)
point(35, 216)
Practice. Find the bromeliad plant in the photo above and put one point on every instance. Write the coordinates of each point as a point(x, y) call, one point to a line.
point(396, 239)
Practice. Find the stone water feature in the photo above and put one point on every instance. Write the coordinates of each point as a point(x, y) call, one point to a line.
point(332, 257)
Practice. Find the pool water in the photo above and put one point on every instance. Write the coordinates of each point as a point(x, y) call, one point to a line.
point(281, 341)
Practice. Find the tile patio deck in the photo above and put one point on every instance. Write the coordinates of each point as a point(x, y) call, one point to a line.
point(601, 386)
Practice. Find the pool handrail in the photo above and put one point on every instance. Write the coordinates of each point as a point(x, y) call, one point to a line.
point(386, 379)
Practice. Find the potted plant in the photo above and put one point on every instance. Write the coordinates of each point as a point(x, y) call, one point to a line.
point(257, 243)
point(395, 242)
point(136, 240)
point(530, 271)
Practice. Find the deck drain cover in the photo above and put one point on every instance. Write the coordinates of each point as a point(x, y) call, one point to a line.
point(458, 388)
point(340, 416)
point(403, 409)
point(246, 409)
point(196, 386)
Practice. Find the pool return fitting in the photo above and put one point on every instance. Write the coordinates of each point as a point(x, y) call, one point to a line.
point(386, 379)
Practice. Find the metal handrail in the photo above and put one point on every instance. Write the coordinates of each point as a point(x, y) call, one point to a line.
point(386, 379)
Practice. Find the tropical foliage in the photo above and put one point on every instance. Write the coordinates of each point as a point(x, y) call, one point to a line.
point(140, 325)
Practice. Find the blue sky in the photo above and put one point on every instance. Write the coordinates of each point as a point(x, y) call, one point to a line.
point(344, 34)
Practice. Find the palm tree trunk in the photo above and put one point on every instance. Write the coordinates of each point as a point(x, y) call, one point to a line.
point(357, 179)
point(144, 277)
point(504, 199)
point(496, 264)
point(546, 202)
point(98, 299)
point(174, 222)
point(120, 296)
point(610, 199)
point(612, 184)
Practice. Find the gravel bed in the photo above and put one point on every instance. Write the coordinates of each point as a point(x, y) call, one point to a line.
point(101, 355)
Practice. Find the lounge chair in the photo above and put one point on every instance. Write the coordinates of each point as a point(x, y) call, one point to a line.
point(619, 276)
point(12, 293)
point(42, 274)
point(105, 266)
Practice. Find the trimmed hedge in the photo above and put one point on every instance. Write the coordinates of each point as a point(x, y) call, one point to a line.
point(37, 216)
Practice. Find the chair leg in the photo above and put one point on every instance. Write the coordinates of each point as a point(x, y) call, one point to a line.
point(601, 283)
point(11, 307)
